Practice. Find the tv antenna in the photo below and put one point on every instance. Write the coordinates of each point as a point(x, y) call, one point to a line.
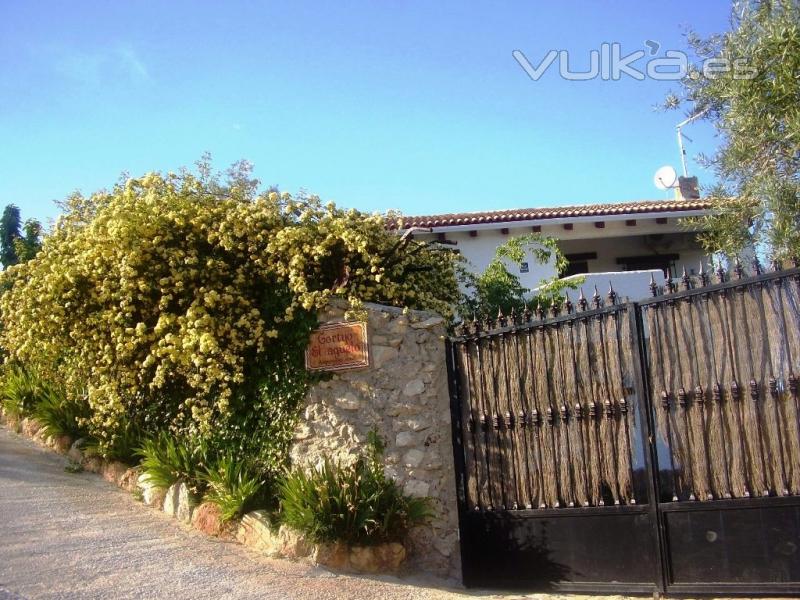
point(679, 128)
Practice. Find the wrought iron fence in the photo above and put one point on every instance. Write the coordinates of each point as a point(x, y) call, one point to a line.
point(550, 415)
point(545, 407)
point(723, 360)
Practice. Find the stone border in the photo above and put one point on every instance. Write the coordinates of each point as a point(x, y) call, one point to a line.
point(254, 530)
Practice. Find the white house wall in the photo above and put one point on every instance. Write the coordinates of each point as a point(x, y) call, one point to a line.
point(614, 240)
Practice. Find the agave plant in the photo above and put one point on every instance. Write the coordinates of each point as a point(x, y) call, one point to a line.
point(354, 503)
point(233, 486)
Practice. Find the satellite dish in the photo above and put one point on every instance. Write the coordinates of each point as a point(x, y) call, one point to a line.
point(666, 178)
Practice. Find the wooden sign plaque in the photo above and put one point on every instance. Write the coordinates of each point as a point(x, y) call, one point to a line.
point(338, 347)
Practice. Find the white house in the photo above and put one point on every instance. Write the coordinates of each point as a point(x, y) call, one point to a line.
point(623, 243)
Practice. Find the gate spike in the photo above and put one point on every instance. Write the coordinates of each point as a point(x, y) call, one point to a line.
point(578, 411)
point(775, 264)
point(669, 284)
point(738, 270)
point(564, 413)
point(685, 280)
point(567, 304)
point(704, 279)
point(609, 409)
point(501, 318)
point(582, 303)
point(756, 266)
point(720, 272)
point(653, 285)
point(540, 312)
point(596, 299)
point(513, 316)
point(489, 323)
point(526, 314)
point(554, 309)
point(476, 324)
point(612, 295)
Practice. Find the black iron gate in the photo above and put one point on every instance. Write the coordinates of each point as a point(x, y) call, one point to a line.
point(639, 447)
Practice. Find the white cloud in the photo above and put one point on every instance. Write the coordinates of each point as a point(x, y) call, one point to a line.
point(95, 67)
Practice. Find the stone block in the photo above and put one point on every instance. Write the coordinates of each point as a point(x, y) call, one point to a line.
point(413, 388)
point(413, 458)
point(381, 355)
point(404, 439)
point(255, 531)
point(348, 401)
point(29, 427)
point(208, 518)
point(113, 471)
point(178, 502)
point(128, 480)
point(428, 323)
point(417, 487)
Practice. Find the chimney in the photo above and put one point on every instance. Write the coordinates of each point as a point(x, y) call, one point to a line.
point(688, 188)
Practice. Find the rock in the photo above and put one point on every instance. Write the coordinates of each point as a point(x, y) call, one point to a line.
point(178, 502)
point(208, 518)
point(128, 480)
point(416, 487)
point(293, 544)
point(414, 388)
point(390, 557)
point(335, 556)
point(363, 559)
point(155, 497)
point(404, 439)
point(75, 454)
point(382, 354)
point(428, 323)
point(255, 531)
point(113, 471)
point(303, 432)
point(60, 444)
point(30, 427)
point(418, 424)
point(348, 401)
point(93, 464)
point(413, 458)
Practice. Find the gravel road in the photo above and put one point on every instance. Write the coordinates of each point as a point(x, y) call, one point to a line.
point(66, 535)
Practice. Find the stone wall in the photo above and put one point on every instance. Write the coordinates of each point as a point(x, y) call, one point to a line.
point(404, 396)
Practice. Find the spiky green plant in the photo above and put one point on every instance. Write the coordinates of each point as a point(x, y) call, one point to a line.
point(355, 503)
point(233, 486)
point(59, 414)
point(166, 460)
point(20, 390)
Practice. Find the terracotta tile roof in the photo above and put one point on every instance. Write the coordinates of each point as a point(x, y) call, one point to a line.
point(555, 212)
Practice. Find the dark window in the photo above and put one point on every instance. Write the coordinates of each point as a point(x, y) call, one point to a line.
point(665, 262)
point(576, 267)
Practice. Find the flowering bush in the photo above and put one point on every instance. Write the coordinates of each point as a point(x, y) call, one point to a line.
point(169, 300)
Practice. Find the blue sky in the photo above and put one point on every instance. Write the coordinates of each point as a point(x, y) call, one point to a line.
point(416, 106)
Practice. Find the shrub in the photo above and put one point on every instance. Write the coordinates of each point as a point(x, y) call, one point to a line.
point(168, 298)
point(356, 503)
point(60, 415)
point(20, 390)
point(166, 460)
point(233, 486)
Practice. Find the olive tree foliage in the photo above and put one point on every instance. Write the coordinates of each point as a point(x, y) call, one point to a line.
point(755, 108)
point(497, 290)
point(173, 300)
